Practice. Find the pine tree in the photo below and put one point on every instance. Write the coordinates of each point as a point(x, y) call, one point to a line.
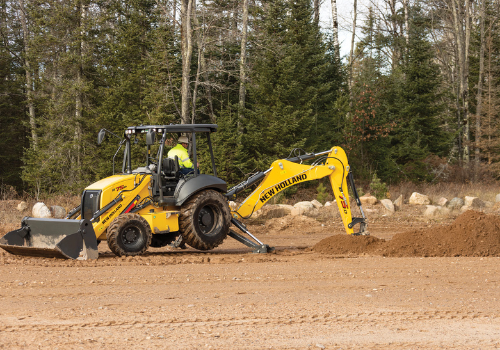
point(291, 91)
point(418, 107)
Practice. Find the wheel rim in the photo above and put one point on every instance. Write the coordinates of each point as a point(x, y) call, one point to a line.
point(207, 219)
point(131, 236)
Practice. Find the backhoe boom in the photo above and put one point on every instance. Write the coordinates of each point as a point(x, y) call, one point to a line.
point(284, 173)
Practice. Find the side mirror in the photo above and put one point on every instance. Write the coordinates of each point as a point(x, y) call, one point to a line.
point(150, 137)
point(100, 136)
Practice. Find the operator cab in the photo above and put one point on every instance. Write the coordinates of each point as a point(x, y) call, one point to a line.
point(167, 177)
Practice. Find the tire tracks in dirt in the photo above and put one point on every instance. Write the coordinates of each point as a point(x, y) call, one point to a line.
point(387, 317)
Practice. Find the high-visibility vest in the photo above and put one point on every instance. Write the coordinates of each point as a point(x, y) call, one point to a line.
point(182, 154)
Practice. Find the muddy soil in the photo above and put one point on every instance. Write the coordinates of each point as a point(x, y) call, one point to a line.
point(413, 283)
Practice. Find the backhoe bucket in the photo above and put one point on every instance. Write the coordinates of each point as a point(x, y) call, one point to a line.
point(52, 238)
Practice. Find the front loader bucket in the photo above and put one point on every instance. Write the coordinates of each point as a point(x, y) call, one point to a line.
point(52, 238)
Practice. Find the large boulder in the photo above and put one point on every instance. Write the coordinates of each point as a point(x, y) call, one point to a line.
point(40, 210)
point(58, 212)
point(398, 203)
point(316, 204)
point(270, 211)
point(368, 199)
point(388, 206)
point(456, 203)
point(473, 202)
point(433, 211)
point(442, 202)
point(302, 208)
point(419, 199)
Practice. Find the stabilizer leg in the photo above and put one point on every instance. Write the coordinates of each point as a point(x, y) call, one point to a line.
point(258, 247)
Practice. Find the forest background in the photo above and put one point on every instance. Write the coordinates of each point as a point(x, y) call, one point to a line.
point(416, 99)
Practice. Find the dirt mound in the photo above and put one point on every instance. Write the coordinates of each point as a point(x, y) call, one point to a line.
point(472, 234)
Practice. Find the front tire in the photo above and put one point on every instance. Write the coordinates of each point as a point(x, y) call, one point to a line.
point(204, 220)
point(129, 234)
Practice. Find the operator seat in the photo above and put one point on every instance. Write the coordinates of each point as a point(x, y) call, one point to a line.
point(170, 168)
point(170, 172)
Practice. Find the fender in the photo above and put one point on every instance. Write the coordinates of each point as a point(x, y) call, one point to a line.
point(186, 188)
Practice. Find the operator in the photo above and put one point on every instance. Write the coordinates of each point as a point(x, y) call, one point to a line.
point(180, 150)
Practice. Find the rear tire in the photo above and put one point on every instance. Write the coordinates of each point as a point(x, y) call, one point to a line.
point(129, 234)
point(204, 220)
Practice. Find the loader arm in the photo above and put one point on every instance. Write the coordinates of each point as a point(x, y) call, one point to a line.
point(285, 173)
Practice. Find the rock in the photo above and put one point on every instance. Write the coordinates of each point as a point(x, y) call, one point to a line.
point(327, 204)
point(442, 202)
point(488, 204)
point(368, 199)
point(302, 208)
point(455, 203)
point(464, 208)
point(316, 204)
point(272, 211)
point(398, 203)
point(58, 212)
point(368, 210)
point(22, 206)
point(305, 205)
point(419, 199)
point(297, 211)
point(388, 206)
point(40, 210)
point(431, 211)
point(233, 205)
point(444, 211)
point(497, 198)
point(436, 211)
point(473, 202)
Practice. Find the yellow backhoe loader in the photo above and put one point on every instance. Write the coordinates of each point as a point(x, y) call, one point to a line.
point(154, 204)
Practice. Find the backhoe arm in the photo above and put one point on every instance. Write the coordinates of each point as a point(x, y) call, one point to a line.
point(285, 173)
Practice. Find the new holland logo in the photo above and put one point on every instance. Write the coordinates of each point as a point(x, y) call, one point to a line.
point(111, 214)
point(281, 186)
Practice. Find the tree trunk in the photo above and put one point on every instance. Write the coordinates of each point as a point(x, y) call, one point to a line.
point(79, 73)
point(316, 11)
point(407, 26)
point(29, 78)
point(465, 93)
point(198, 70)
point(462, 39)
point(351, 54)
point(479, 96)
point(335, 29)
point(187, 51)
point(490, 78)
point(243, 60)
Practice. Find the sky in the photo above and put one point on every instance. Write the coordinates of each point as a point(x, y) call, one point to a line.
point(344, 14)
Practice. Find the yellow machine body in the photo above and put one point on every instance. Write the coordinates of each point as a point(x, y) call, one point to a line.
point(155, 205)
point(284, 174)
point(133, 189)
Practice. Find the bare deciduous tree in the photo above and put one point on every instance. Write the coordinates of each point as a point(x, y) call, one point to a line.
point(29, 77)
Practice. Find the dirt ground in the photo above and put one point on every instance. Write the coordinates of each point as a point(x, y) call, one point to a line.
point(413, 283)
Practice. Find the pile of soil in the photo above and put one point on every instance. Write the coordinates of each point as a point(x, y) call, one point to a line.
point(471, 234)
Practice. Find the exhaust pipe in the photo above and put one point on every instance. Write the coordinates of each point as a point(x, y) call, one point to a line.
point(52, 238)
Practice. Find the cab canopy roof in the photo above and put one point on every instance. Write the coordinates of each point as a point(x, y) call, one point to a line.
point(185, 128)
